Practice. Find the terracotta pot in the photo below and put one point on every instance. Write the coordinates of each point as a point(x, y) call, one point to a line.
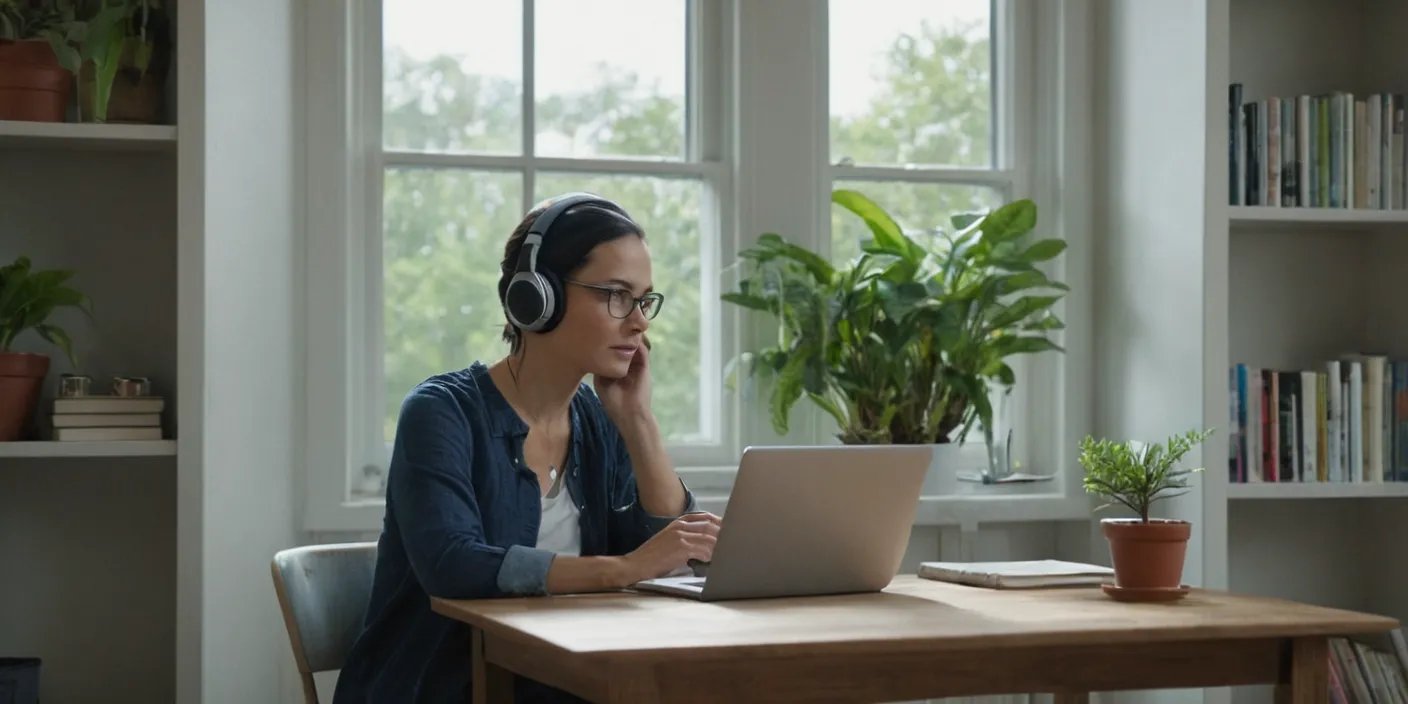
point(33, 86)
point(1147, 555)
point(21, 380)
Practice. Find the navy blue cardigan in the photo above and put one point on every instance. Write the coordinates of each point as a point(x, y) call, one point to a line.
point(462, 514)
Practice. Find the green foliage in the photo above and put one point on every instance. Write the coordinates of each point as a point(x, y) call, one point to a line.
point(109, 34)
point(29, 297)
point(902, 344)
point(1136, 476)
point(932, 105)
point(28, 19)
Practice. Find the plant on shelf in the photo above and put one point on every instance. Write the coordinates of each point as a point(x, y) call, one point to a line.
point(905, 343)
point(1147, 553)
point(27, 298)
point(37, 88)
point(119, 51)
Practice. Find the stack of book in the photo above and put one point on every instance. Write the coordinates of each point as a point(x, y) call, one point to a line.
point(1330, 150)
point(107, 418)
point(1346, 421)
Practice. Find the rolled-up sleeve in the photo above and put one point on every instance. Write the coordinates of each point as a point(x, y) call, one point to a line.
point(438, 515)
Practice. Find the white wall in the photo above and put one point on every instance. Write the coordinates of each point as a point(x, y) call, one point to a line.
point(1151, 102)
point(240, 346)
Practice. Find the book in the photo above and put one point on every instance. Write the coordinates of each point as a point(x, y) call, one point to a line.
point(1017, 575)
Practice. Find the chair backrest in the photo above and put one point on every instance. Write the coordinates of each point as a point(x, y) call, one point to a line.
point(323, 592)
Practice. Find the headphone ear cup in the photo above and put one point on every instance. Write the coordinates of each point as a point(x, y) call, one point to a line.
point(527, 300)
point(557, 303)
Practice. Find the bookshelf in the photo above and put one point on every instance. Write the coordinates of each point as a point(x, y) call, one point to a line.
point(125, 448)
point(1196, 279)
point(1284, 219)
point(68, 135)
point(101, 200)
point(137, 570)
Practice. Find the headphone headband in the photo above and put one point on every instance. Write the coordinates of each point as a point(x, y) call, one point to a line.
point(538, 230)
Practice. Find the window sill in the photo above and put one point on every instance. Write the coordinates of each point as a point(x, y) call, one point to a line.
point(970, 504)
point(959, 503)
point(971, 509)
point(957, 510)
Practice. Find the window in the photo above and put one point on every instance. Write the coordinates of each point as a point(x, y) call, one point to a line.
point(435, 124)
point(916, 122)
point(490, 108)
point(924, 100)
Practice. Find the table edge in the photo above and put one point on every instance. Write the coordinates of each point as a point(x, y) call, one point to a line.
point(940, 644)
point(1350, 623)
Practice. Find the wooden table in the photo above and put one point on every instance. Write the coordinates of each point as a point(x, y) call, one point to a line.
point(917, 639)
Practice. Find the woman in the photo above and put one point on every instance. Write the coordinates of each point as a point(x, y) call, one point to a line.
point(518, 478)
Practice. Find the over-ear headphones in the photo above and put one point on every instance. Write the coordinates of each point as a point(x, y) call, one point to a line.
point(533, 299)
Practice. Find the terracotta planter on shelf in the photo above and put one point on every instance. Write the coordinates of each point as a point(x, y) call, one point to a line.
point(1147, 557)
point(33, 86)
point(21, 380)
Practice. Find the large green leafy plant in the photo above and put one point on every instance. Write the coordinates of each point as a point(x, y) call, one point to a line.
point(904, 343)
point(1136, 475)
point(29, 297)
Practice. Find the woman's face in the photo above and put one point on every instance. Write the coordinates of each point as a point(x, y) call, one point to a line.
point(590, 338)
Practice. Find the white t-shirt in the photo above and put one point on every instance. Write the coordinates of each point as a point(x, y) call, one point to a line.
point(560, 529)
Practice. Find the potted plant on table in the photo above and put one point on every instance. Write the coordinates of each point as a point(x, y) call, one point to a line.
point(1147, 553)
point(27, 299)
point(903, 344)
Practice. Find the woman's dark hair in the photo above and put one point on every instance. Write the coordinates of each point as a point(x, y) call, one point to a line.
point(566, 248)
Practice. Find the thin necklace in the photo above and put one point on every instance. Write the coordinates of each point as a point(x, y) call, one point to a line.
point(552, 468)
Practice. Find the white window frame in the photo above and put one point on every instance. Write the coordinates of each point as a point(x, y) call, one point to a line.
point(755, 144)
point(703, 161)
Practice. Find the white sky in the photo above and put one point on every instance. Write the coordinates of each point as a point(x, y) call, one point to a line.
point(575, 34)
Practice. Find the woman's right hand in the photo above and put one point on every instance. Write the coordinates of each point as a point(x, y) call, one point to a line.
point(689, 537)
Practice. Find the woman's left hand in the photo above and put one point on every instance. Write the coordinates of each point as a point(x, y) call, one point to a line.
point(627, 398)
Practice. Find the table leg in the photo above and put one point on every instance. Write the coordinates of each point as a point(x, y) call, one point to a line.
point(492, 684)
point(1308, 679)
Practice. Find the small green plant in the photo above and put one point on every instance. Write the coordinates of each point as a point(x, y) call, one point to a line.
point(1135, 475)
point(29, 297)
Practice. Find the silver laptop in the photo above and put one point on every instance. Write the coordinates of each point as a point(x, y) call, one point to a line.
point(805, 521)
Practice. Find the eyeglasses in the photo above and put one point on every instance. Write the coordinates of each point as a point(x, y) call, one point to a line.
point(620, 302)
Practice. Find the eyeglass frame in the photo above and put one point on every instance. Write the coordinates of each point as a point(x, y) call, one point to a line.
point(636, 301)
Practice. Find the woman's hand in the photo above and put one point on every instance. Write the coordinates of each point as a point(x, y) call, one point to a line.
point(627, 399)
point(690, 537)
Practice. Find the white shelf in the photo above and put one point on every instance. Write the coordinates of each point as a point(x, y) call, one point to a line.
point(124, 448)
point(1257, 216)
point(1313, 490)
point(86, 135)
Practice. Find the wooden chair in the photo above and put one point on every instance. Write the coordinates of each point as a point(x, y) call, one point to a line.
point(323, 592)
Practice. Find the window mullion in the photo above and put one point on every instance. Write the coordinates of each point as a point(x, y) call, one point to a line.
point(530, 104)
point(782, 183)
point(370, 175)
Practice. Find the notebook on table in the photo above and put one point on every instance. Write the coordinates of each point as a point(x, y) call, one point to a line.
point(1022, 574)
